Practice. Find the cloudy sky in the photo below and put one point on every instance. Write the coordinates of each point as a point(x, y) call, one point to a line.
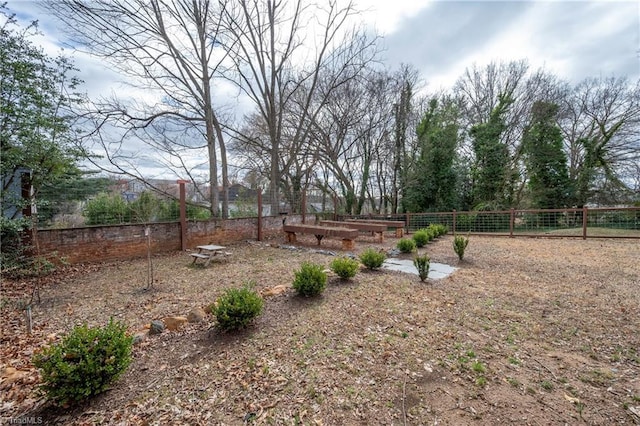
point(573, 39)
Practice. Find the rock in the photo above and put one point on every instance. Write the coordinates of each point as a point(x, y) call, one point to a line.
point(157, 327)
point(393, 252)
point(11, 375)
point(273, 291)
point(140, 336)
point(325, 252)
point(174, 323)
point(196, 315)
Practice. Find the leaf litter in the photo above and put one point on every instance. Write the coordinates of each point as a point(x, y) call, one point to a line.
point(531, 331)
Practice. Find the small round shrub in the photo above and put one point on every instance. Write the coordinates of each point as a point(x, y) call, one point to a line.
point(406, 245)
point(431, 234)
point(237, 307)
point(438, 229)
point(84, 363)
point(421, 237)
point(310, 280)
point(345, 267)
point(372, 258)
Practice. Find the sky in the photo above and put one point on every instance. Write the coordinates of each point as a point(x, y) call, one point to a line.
point(573, 39)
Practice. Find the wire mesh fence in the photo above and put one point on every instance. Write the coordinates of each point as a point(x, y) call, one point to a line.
point(594, 222)
point(112, 202)
point(106, 201)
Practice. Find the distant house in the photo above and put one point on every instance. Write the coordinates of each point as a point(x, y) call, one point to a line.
point(239, 192)
point(16, 193)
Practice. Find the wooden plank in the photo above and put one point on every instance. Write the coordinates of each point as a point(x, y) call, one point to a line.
point(388, 223)
point(392, 224)
point(361, 226)
point(200, 255)
point(324, 231)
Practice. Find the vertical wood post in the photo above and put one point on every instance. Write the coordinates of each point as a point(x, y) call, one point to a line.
point(584, 222)
point(406, 221)
point(303, 207)
point(512, 219)
point(260, 215)
point(454, 222)
point(335, 207)
point(183, 214)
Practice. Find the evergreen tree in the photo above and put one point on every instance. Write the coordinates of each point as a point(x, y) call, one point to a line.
point(545, 159)
point(35, 132)
point(35, 110)
point(490, 169)
point(432, 183)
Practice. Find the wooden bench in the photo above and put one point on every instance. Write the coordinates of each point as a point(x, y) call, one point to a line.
point(398, 225)
point(348, 235)
point(374, 228)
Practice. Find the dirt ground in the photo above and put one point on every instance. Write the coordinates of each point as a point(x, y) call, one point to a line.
point(526, 331)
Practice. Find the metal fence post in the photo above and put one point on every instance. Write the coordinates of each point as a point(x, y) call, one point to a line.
point(584, 222)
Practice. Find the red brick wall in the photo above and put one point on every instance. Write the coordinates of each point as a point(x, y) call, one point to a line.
point(119, 242)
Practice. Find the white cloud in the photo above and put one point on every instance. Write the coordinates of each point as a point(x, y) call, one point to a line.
point(573, 39)
point(387, 15)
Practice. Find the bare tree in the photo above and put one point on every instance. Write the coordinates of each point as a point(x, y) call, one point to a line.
point(170, 48)
point(601, 127)
point(352, 134)
point(275, 68)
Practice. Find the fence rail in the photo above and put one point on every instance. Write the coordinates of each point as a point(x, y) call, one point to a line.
point(620, 222)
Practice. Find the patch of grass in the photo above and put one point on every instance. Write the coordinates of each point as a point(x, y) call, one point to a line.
point(597, 377)
point(513, 382)
point(478, 367)
point(546, 385)
point(481, 381)
point(514, 361)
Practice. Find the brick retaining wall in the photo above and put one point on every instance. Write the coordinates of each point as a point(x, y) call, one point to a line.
point(119, 242)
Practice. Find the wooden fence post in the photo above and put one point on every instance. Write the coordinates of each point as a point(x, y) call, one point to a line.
point(584, 222)
point(183, 214)
point(511, 222)
point(303, 207)
point(454, 222)
point(260, 215)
